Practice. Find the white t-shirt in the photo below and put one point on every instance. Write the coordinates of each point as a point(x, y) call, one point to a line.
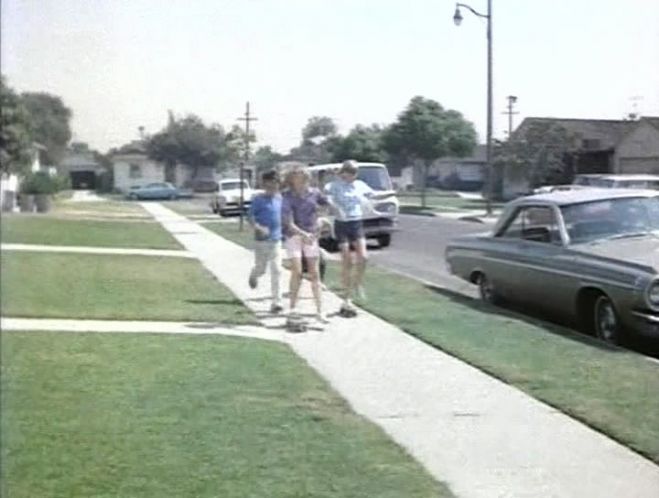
point(348, 198)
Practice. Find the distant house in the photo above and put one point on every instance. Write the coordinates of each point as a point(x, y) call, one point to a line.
point(132, 167)
point(460, 173)
point(81, 167)
point(600, 146)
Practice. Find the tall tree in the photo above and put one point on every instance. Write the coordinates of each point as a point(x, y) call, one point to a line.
point(190, 142)
point(539, 155)
point(425, 131)
point(15, 135)
point(265, 158)
point(362, 143)
point(318, 129)
point(51, 123)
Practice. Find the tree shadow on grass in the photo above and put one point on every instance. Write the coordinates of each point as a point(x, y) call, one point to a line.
point(534, 317)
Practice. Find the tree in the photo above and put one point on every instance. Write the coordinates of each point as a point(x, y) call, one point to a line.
point(318, 129)
point(265, 158)
point(15, 133)
point(190, 142)
point(425, 131)
point(363, 143)
point(318, 136)
point(538, 155)
point(50, 123)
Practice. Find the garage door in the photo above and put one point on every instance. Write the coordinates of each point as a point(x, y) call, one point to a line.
point(643, 165)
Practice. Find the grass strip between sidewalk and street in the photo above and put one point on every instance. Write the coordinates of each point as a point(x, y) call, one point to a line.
point(86, 286)
point(610, 389)
point(205, 416)
point(49, 230)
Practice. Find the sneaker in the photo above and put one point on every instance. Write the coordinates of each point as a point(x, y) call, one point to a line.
point(347, 310)
point(275, 309)
point(322, 317)
point(253, 282)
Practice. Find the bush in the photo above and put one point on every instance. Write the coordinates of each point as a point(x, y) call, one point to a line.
point(43, 183)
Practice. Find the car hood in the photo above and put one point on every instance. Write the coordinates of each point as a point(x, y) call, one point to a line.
point(640, 250)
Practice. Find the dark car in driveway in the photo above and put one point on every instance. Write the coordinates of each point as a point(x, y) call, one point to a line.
point(590, 255)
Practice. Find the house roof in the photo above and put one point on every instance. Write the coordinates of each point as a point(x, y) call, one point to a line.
point(653, 120)
point(607, 131)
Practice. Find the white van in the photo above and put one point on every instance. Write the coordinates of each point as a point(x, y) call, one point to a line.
point(380, 220)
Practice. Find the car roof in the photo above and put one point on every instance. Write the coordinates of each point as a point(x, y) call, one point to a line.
point(639, 176)
point(565, 197)
point(330, 166)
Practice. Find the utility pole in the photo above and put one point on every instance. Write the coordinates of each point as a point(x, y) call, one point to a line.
point(511, 102)
point(247, 119)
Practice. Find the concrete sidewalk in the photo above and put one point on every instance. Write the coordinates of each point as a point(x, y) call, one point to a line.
point(136, 327)
point(482, 437)
point(97, 250)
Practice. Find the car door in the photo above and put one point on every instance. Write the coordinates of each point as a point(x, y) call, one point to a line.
point(545, 275)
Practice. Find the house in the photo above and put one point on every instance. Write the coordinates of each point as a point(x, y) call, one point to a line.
point(131, 167)
point(81, 166)
point(638, 150)
point(598, 146)
point(460, 173)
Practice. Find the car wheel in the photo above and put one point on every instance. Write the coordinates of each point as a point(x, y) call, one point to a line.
point(486, 289)
point(384, 240)
point(606, 322)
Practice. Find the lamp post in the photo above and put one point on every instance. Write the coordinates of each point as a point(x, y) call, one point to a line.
point(457, 19)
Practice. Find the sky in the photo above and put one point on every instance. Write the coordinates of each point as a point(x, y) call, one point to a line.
point(122, 64)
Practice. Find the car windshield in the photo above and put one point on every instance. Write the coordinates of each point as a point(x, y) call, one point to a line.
point(611, 218)
point(375, 177)
point(233, 185)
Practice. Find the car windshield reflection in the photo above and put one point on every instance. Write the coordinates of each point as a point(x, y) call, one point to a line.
point(611, 219)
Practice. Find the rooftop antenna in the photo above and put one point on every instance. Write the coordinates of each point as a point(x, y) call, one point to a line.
point(635, 113)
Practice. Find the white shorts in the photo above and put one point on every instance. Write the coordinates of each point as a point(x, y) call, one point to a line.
point(296, 247)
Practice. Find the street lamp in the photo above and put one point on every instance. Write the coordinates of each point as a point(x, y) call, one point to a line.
point(457, 19)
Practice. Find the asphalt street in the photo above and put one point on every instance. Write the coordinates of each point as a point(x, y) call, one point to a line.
point(417, 249)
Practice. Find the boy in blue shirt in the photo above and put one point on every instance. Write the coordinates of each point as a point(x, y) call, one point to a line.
point(265, 218)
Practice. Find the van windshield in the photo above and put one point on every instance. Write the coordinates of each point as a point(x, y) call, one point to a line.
point(375, 177)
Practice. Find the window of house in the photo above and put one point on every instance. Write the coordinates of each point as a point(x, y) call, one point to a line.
point(135, 171)
point(533, 223)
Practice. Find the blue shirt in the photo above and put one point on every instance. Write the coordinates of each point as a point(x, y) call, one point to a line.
point(266, 211)
point(348, 197)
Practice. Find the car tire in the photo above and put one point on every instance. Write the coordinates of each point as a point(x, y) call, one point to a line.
point(486, 290)
point(606, 322)
point(384, 240)
point(222, 213)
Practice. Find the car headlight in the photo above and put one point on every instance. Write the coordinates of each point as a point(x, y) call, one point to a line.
point(652, 294)
point(386, 207)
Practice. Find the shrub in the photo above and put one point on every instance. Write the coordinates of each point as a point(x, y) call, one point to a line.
point(43, 183)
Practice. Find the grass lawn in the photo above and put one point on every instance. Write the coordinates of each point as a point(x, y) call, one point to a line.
point(54, 285)
point(104, 207)
point(207, 416)
point(50, 230)
point(610, 389)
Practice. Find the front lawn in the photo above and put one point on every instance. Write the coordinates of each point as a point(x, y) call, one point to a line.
point(205, 416)
point(50, 230)
point(51, 285)
point(612, 390)
point(445, 203)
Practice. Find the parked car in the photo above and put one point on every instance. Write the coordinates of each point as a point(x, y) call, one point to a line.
point(545, 189)
point(380, 221)
point(589, 255)
point(227, 199)
point(638, 181)
point(163, 190)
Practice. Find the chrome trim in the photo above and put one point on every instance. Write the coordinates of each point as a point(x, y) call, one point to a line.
point(646, 316)
point(646, 294)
